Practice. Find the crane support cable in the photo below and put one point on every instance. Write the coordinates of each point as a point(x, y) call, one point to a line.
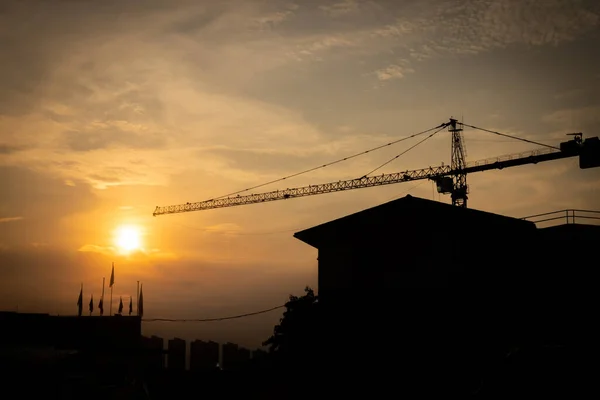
point(510, 136)
point(406, 151)
point(331, 163)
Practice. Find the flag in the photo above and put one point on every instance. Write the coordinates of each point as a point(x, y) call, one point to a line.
point(101, 306)
point(80, 302)
point(130, 304)
point(112, 276)
point(120, 305)
point(141, 303)
point(92, 304)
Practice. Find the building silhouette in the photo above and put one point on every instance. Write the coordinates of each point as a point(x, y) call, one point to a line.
point(176, 354)
point(204, 356)
point(229, 356)
point(449, 289)
point(243, 356)
point(154, 354)
point(259, 354)
point(69, 332)
point(234, 358)
point(59, 355)
point(413, 243)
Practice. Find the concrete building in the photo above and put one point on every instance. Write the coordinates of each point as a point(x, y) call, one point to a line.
point(413, 243)
point(204, 356)
point(440, 283)
point(176, 354)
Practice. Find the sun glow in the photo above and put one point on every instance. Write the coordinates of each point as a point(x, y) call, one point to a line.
point(128, 239)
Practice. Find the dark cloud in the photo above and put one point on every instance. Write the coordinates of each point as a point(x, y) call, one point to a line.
point(23, 70)
point(8, 149)
point(37, 36)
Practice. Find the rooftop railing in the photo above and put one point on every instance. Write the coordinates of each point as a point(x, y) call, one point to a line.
point(561, 217)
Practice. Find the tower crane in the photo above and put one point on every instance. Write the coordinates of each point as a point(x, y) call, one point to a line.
point(450, 179)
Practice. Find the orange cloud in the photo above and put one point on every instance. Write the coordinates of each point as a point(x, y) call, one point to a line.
point(10, 219)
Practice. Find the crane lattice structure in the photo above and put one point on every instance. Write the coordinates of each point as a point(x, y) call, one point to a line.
point(450, 179)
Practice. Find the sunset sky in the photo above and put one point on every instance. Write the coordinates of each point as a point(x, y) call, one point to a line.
point(110, 108)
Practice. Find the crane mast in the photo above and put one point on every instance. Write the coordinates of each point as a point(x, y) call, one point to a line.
point(458, 163)
point(450, 179)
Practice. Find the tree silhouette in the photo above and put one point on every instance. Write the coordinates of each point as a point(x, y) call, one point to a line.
point(294, 341)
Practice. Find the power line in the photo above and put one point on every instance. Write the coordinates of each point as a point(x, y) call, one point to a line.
point(512, 137)
point(331, 163)
point(213, 319)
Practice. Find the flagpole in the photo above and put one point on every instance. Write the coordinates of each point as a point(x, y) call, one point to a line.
point(102, 296)
point(80, 301)
point(137, 300)
point(111, 284)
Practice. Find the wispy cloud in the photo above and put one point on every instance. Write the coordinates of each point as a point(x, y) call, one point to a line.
point(180, 85)
point(393, 71)
point(139, 255)
point(273, 19)
point(503, 23)
point(466, 27)
point(340, 8)
point(574, 118)
point(10, 219)
point(92, 248)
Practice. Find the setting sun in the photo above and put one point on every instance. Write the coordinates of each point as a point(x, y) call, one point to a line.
point(128, 239)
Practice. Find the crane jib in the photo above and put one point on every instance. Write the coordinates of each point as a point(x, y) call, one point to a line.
point(588, 151)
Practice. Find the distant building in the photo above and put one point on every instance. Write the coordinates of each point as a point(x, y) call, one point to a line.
point(243, 355)
point(204, 356)
point(154, 354)
point(229, 356)
point(258, 354)
point(176, 354)
point(234, 357)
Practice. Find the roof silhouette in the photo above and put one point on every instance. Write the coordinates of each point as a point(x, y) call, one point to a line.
point(408, 215)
